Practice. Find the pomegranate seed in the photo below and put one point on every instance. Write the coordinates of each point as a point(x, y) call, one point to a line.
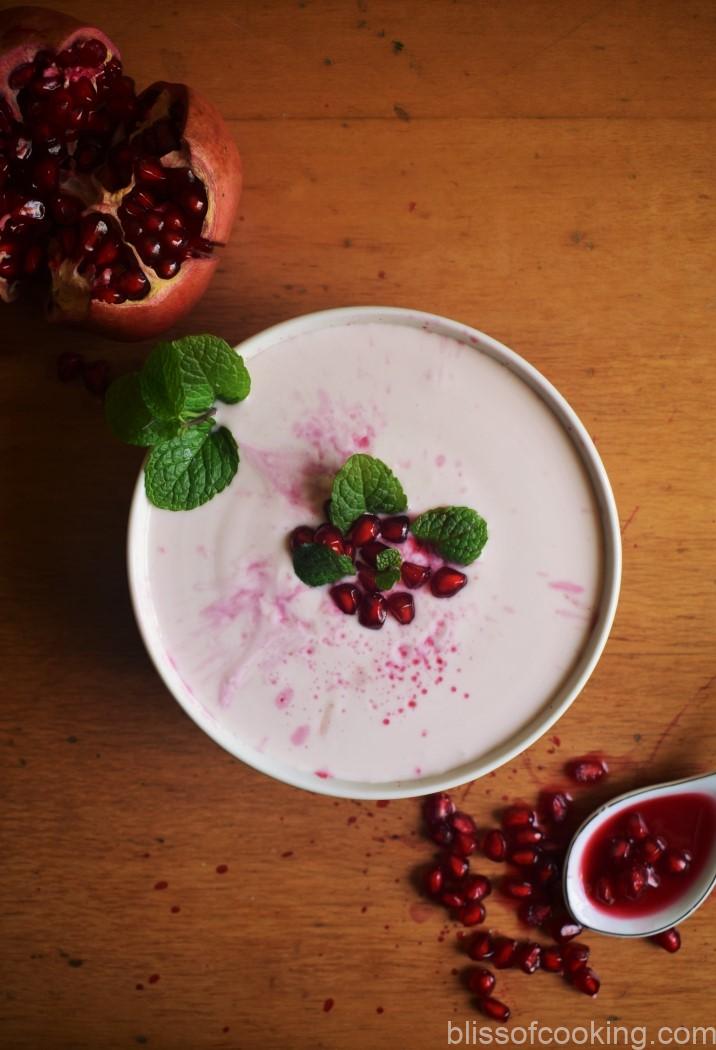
point(438, 807)
point(464, 845)
point(669, 940)
point(652, 848)
point(134, 284)
point(534, 914)
point(96, 377)
point(349, 549)
point(434, 881)
point(330, 536)
point(107, 253)
point(528, 836)
point(518, 817)
point(619, 850)
point(652, 878)
point(575, 957)
point(518, 889)
point(525, 856)
point(193, 204)
point(148, 170)
point(66, 210)
point(93, 229)
point(587, 770)
point(554, 805)
point(446, 582)
point(370, 551)
point(33, 258)
point(494, 1009)
point(167, 268)
point(472, 913)
point(21, 75)
point(494, 845)
point(300, 535)
point(346, 596)
point(395, 530)
point(586, 981)
point(92, 53)
point(108, 295)
point(476, 888)
point(636, 827)
point(546, 873)
point(677, 861)
point(373, 610)
point(633, 881)
point(174, 220)
point(174, 241)
point(69, 366)
point(402, 607)
point(46, 174)
point(366, 577)
point(149, 248)
point(528, 957)
point(481, 946)
point(365, 529)
point(480, 981)
point(457, 866)
point(414, 575)
point(552, 960)
point(463, 822)
point(83, 91)
point(504, 949)
point(565, 930)
point(442, 833)
point(451, 899)
point(604, 890)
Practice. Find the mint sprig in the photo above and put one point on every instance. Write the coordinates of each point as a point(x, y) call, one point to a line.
point(316, 564)
point(363, 485)
point(169, 406)
point(457, 533)
point(388, 559)
point(387, 578)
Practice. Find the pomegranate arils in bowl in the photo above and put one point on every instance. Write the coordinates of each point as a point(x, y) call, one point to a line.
point(395, 530)
point(365, 529)
point(347, 597)
point(402, 607)
point(373, 610)
point(447, 581)
point(414, 575)
point(330, 536)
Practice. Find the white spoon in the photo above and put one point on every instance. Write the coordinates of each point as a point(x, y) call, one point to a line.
point(599, 919)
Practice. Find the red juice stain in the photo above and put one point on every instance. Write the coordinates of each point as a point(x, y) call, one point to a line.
point(382, 803)
point(225, 1029)
point(288, 853)
point(175, 909)
point(412, 205)
point(351, 820)
point(379, 1010)
point(381, 274)
point(154, 978)
point(221, 869)
point(160, 885)
point(139, 987)
point(327, 1006)
point(686, 821)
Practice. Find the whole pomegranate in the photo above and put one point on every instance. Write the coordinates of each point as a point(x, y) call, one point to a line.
point(118, 200)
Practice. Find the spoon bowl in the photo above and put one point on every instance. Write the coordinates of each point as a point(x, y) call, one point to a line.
point(651, 922)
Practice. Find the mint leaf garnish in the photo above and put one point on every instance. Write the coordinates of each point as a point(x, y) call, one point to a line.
point(191, 469)
point(316, 564)
point(364, 484)
point(128, 417)
point(457, 533)
point(387, 578)
point(388, 559)
point(181, 379)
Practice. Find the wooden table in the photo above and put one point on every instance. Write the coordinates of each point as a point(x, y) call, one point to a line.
point(542, 170)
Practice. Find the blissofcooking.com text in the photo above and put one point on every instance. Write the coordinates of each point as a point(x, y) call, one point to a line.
point(604, 1033)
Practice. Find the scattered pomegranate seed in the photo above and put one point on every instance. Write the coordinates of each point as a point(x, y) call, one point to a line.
point(346, 596)
point(524, 856)
point(373, 611)
point(451, 899)
point(465, 845)
point(586, 981)
point(438, 807)
point(620, 850)
point(677, 861)
point(366, 577)
point(518, 889)
point(528, 957)
point(552, 960)
point(533, 914)
point(472, 913)
point(494, 845)
point(401, 607)
point(414, 575)
point(370, 551)
point(457, 866)
point(554, 805)
point(575, 956)
point(565, 930)
point(476, 888)
point(669, 940)
point(442, 833)
point(446, 582)
point(527, 836)
point(434, 881)
point(69, 366)
point(96, 377)
point(494, 1009)
point(652, 848)
point(604, 890)
point(365, 529)
point(546, 873)
point(395, 530)
point(587, 770)
point(481, 946)
point(518, 817)
point(480, 981)
point(330, 536)
point(463, 822)
point(504, 949)
point(636, 827)
point(300, 535)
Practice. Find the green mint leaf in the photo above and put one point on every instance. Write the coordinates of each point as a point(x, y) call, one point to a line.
point(191, 469)
point(181, 379)
point(387, 578)
point(457, 533)
point(364, 484)
point(128, 417)
point(316, 564)
point(388, 559)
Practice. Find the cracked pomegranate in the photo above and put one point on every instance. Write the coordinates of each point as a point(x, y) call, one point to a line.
point(116, 199)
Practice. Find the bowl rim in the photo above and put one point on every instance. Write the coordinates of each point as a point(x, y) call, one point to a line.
point(570, 687)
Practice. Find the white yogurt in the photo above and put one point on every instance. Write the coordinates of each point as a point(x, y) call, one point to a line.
point(300, 684)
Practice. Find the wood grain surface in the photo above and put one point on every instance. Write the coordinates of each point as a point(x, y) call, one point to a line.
point(542, 170)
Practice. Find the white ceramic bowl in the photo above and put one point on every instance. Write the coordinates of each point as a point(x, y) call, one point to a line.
point(554, 706)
